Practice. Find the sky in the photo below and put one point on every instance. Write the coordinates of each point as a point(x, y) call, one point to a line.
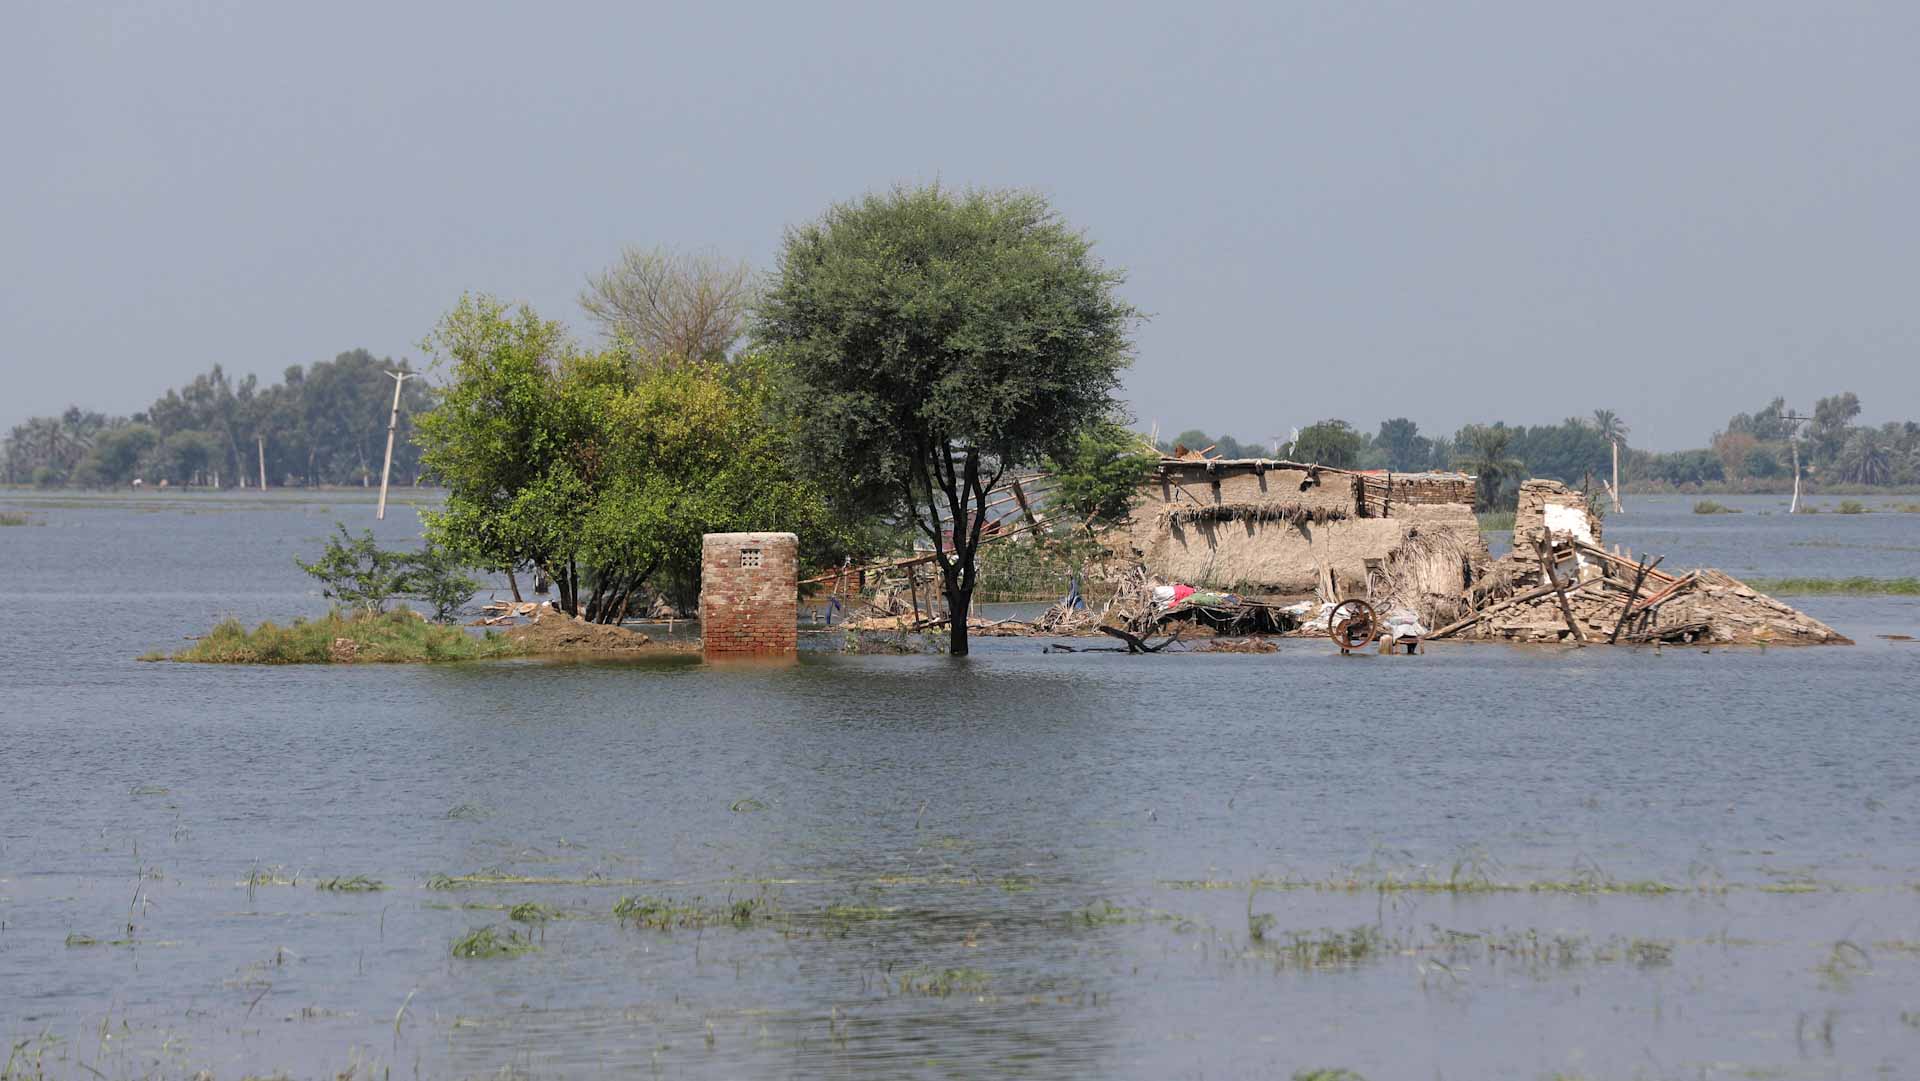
point(1450, 212)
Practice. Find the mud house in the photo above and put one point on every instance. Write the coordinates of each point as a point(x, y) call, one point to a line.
point(1285, 528)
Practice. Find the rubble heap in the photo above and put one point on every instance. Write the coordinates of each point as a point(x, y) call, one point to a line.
point(1560, 583)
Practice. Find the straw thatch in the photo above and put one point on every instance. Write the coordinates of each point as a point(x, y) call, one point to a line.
point(1290, 512)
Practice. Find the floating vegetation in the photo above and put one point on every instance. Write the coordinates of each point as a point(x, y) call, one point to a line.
point(746, 805)
point(943, 982)
point(1709, 506)
point(530, 912)
point(487, 942)
point(1851, 506)
point(355, 884)
point(665, 914)
point(466, 812)
point(14, 517)
point(1900, 587)
point(77, 939)
point(337, 638)
point(1326, 1075)
point(149, 790)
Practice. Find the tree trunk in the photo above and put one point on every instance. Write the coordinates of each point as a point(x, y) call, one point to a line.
point(958, 602)
point(514, 583)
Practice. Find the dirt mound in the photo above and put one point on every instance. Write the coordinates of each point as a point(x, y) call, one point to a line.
point(553, 632)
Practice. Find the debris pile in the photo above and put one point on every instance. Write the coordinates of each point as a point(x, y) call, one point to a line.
point(1561, 584)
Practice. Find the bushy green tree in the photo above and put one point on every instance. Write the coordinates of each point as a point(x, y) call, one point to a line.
point(604, 470)
point(356, 571)
point(942, 339)
point(1329, 442)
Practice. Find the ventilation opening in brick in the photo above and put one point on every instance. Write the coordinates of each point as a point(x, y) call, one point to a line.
point(749, 557)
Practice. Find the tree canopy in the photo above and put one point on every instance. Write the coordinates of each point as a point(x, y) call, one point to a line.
point(941, 339)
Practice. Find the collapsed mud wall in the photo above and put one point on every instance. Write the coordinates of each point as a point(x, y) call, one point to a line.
point(1291, 529)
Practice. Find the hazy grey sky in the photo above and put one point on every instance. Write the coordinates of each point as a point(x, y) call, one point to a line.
point(1448, 212)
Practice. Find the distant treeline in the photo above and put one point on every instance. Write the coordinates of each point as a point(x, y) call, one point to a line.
point(321, 424)
point(1753, 452)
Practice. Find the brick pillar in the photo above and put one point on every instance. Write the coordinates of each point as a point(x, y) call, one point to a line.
point(749, 594)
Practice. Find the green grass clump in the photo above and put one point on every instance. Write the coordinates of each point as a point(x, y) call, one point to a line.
point(393, 637)
point(1900, 587)
point(1851, 506)
point(1496, 521)
point(487, 942)
point(665, 914)
point(14, 517)
point(1709, 506)
point(924, 981)
point(356, 884)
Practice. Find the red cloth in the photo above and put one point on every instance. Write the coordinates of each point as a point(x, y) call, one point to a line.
point(1181, 593)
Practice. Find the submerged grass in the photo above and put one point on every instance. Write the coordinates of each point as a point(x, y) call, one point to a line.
point(392, 637)
point(484, 942)
point(13, 517)
point(1904, 587)
point(355, 884)
point(1709, 506)
point(666, 914)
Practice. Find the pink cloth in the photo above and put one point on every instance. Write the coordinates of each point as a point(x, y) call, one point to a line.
point(1181, 593)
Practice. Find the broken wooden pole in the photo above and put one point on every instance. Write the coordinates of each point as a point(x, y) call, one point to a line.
point(1634, 595)
point(1546, 568)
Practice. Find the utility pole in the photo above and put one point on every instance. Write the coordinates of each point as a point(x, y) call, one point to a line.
point(1793, 441)
point(1614, 490)
point(260, 442)
point(393, 421)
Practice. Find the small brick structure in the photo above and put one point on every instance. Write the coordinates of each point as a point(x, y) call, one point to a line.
point(749, 594)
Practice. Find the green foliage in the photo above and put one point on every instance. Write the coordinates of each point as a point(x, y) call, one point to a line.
point(1850, 506)
point(439, 578)
point(1709, 506)
point(942, 339)
point(356, 571)
point(392, 637)
point(324, 424)
point(1487, 453)
point(604, 471)
point(1330, 442)
point(487, 942)
point(1899, 587)
point(1096, 480)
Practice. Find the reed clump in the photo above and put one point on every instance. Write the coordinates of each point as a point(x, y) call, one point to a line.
point(1899, 587)
point(1710, 506)
point(14, 517)
point(485, 942)
point(354, 884)
point(1850, 506)
point(337, 638)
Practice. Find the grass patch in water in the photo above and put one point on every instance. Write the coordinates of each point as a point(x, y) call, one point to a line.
point(355, 884)
point(486, 942)
point(11, 517)
point(1496, 521)
point(1850, 506)
point(1709, 506)
point(392, 637)
point(944, 982)
point(1902, 587)
point(665, 914)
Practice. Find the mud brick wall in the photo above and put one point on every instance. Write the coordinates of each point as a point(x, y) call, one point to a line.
point(749, 593)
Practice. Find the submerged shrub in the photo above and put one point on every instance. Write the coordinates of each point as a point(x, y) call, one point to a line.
point(1851, 506)
point(1708, 506)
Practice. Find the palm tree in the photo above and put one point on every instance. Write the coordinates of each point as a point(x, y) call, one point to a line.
point(1487, 456)
point(1867, 458)
point(1610, 426)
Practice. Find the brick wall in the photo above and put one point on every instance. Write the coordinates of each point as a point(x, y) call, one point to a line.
point(749, 593)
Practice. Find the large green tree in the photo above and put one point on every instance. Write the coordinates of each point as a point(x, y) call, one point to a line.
point(943, 338)
point(604, 469)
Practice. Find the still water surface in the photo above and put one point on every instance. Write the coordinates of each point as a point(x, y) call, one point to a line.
point(1019, 864)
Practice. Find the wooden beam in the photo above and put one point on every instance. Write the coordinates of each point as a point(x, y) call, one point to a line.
point(1627, 609)
point(1546, 568)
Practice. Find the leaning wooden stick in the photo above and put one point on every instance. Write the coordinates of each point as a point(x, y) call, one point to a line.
point(1627, 609)
point(1546, 568)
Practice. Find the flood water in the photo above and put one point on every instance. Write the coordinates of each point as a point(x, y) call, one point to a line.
point(1632, 863)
